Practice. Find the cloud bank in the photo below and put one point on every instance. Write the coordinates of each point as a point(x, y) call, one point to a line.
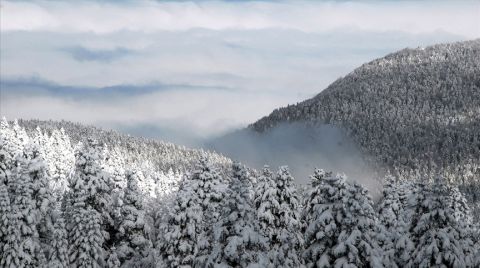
point(183, 70)
point(460, 17)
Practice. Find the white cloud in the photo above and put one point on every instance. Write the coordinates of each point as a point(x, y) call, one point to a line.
point(455, 17)
point(199, 112)
point(267, 53)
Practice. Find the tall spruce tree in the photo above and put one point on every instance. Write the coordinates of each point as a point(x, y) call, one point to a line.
point(189, 231)
point(132, 246)
point(58, 257)
point(5, 215)
point(179, 236)
point(237, 241)
point(25, 212)
point(88, 218)
point(340, 223)
point(439, 239)
point(277, 209)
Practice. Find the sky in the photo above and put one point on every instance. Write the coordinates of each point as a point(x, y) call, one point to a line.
point(187, 70)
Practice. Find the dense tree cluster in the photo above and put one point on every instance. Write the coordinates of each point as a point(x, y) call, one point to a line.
point(156, 155)
point(415, 112)
point(110, 212)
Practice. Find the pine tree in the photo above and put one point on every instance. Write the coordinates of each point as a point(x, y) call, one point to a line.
point(5, 214)
point(277, 208)
point(189, 232)
point(12, 143)
point(132, 244)
point(45, 148)
point(88, 212)
point(460, 205)
point(391, 206)
point(440, 240)
point(42, 196)
point(85, 236)
point(237, 241)
point(392, 231)
point(320, 225)
point(12, 253)
point(114, 163)
point(59, 246)
point(356, 242)
point(179, 237)
point(210, 188)
point(24, 213)
point(340, 223)
point(63, 159)
point(5, 158)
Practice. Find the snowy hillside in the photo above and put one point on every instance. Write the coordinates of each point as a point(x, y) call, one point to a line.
point(97, 204)
point(158, 155)
point(415, 112)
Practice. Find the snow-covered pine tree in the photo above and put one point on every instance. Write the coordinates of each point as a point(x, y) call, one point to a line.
point(401, 232)
point(85, 235)
point(277, 209)
point(11, 146)
point(12, 251)
point(340, 222)
point(237, 241)
point(58, 257)
point(5, 160)
point(42, 196)
point(189, 231)
point(357, 241)
point(5, 214)
point(132, 246)
point(17, 139)
point(390, 207)
point(402, 242)
point(64, 161)
point(210, 188)
point(28, 216)
point(88, 217)
point(459, 203)
point(392, 231)
point(320, 225)
point(44, 146)
point(439, 239)
point(114, 164)
point(178, 237)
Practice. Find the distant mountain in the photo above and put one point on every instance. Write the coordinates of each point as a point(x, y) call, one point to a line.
point(416, 112)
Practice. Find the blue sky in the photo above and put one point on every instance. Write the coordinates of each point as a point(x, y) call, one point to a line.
point(200, 67)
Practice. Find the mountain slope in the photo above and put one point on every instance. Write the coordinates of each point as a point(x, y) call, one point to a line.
point(416, 111)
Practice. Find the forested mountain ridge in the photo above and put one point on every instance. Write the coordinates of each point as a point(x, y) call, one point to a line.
point(416, 112)
point(159, 155)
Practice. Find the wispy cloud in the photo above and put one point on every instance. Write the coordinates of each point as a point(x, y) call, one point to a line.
point(84, 54)
point(37, 86)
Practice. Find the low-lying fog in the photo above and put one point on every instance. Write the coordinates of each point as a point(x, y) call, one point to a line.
point(300, 146)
